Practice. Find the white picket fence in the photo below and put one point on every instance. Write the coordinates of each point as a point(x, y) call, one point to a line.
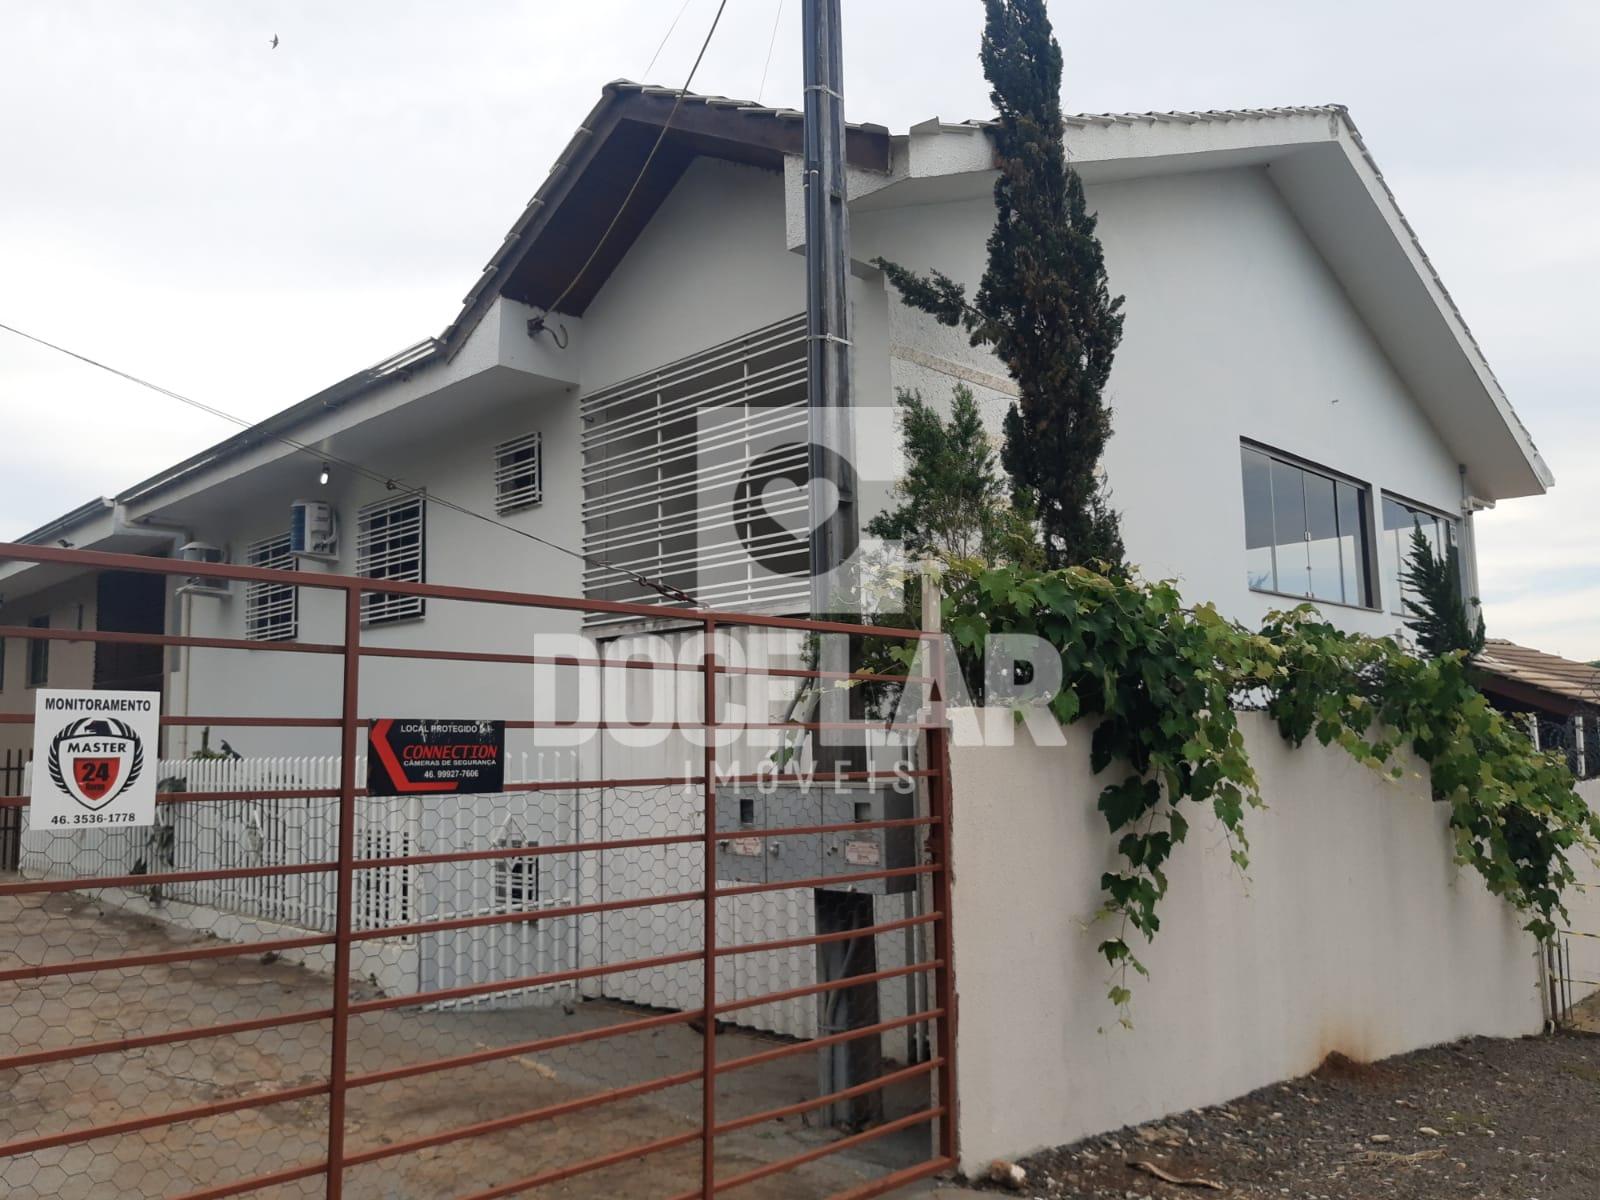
point(232, 835)
point(236, 835)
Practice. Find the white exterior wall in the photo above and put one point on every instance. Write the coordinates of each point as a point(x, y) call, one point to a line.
point(1354, 932)
point(711, 264)
point(69, 605)
point(1582, 945)
point(457, 463)
point(1235, 328)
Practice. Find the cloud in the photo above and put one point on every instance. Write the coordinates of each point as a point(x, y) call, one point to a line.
point(249, 225)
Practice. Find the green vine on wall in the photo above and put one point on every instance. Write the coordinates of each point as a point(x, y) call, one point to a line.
point(1163, 684)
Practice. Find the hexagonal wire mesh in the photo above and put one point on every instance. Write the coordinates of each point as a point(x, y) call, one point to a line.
point(289, 987)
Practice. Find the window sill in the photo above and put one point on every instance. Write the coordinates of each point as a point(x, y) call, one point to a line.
point(389, 622)
point(1363, 608)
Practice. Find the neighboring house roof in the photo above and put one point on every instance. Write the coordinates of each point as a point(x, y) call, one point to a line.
point(1536, 678)
point(571, 235)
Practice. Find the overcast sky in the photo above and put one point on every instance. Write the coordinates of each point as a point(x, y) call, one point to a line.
point(248, 225)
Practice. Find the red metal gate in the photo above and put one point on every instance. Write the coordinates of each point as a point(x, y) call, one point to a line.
point(552, 987)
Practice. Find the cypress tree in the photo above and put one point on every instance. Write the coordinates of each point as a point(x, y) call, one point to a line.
point(1439, 614)
point(1044, 305)
point(952, 501)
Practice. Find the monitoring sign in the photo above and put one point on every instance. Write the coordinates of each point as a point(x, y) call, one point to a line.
point(411, 756)
point(94, 759)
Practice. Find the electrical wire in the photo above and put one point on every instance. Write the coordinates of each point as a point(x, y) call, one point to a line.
point(677, 103)
point(390, 482)
point(771, 42)
point(645, 75)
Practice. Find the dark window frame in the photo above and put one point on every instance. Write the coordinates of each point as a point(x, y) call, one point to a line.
point(519, 473)
point(1366, 548)
point(38, 664)
point(1402, 546)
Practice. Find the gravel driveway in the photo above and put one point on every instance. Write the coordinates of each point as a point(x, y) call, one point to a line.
point(1480, 1119)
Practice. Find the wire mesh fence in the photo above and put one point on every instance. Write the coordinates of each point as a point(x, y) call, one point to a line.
point(677, 965)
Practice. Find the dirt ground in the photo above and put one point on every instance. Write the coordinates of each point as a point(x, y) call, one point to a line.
point(1481, 1119)
point(169, 1161)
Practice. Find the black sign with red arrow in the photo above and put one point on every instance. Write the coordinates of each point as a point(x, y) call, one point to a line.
point(408, 756)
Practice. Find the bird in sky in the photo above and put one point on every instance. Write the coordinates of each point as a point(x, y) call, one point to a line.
point(274, 41)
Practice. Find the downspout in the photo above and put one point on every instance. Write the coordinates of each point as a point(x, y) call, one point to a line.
point(175, 535)
point(1470, 506)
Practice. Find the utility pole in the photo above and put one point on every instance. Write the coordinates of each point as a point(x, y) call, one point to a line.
point(828, 380)
point(834, 537)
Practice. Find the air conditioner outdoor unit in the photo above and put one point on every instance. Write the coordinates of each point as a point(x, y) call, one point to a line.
point(313, 530)
point(203, 554)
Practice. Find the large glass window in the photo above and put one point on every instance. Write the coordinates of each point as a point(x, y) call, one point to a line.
point(1306, 533)
point(1399, 521)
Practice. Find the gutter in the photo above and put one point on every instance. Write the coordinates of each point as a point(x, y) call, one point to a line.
point(52, 531)
point(397, 366)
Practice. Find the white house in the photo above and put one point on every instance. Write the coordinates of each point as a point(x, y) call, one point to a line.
point(1294, 390)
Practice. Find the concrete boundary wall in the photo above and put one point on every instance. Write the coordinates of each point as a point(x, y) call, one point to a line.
point(1582, 943)
point(1354, 932)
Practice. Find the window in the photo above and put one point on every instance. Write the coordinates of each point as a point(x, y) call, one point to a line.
point(694, 474)
point(38, 655)
point(389, 545)
point(516, 880)
point(518, 473)
point(1399, 520)
point(1306, 533)
point(271, 610)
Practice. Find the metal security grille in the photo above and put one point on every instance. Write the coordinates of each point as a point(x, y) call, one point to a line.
point(389, 545)
point(518, 473)
point(566, 986)
point(678, 472)
point(271, 610)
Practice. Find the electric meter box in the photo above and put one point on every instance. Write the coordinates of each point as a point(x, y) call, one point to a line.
point(743, 856)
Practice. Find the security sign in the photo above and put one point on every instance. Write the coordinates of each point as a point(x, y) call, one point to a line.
point(411, 756)
point(94, 758)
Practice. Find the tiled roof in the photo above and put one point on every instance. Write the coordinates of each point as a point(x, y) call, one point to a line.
point(1562, 677)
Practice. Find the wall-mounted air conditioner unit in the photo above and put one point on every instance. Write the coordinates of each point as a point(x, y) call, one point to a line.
point(203, 554)
point(313, 530)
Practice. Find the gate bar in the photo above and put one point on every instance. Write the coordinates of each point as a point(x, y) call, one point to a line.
point(339, 1052)
point(615, 1158)
point(537, 1046)
point(844, 1143)
point(160, 957)
point(833, 1039)
point(177, 1116)
point(17, 1062)
point(805, 1106)
point(413, 999)
point(547, 1112)
point(708, 969)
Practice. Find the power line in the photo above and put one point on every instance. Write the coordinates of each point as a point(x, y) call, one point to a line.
point(777, 19)
point(645, 76)
point(390, 482)
point(677, 103)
